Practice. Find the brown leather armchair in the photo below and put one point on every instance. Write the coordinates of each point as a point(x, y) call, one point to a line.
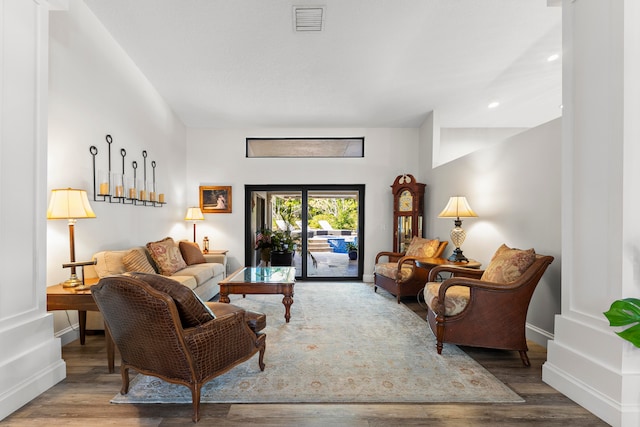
point(399, 275)
point(161, 331)
point(469, 311)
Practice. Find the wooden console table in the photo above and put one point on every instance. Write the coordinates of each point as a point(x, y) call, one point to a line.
point(61, 298)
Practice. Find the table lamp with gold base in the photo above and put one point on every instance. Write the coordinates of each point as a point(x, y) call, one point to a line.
point(70, 204)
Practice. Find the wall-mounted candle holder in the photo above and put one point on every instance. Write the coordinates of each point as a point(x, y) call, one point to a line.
point(114, 187)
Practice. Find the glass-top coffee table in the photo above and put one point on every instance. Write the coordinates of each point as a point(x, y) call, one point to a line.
point(261, 280)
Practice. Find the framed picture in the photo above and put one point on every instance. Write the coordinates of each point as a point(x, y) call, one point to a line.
point(215, 199)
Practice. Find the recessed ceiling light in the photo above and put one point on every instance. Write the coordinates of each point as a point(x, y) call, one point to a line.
point(553, 57)
point(494, 104)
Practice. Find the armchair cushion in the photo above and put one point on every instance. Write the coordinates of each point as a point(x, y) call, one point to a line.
point(422, 248)
point(191, 253)
point(390, 269)
point(508, 264)
point(137, 260)
point(193, 312)
point(167, 256)
point(456, 299)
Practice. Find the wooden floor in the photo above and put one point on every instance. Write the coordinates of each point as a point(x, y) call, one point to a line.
point(82, 399)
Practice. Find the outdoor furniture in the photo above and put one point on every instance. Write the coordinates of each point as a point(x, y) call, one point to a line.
point(162, 329)
point(399, 275)
point(485, 308)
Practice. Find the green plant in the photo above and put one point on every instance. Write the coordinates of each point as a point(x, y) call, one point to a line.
point(352, 247)
point(282, 241)
point(626, 312)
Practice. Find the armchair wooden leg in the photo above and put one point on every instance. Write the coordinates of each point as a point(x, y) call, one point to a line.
point(439, 334)
point(195, 397)
point(524, 358)
point(124, 372)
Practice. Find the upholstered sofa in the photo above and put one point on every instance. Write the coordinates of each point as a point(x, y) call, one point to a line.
point(181, 261)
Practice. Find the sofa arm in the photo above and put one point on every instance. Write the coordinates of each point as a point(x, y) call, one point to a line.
point(217, 258)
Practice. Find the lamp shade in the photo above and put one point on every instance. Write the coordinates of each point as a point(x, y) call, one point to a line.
point(193, 214)
point(458, 207)
point(69, 203)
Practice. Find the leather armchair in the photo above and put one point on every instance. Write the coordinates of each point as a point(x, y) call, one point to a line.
point(469, 311)
point(171, 336)
point(399, 275)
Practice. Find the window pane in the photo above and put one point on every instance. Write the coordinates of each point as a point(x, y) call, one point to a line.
point(305, 147)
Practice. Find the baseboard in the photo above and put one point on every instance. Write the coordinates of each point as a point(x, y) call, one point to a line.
point(32, 387)
point(538, 335)
point(367, 278)
point(68, 334)
point(583, 394)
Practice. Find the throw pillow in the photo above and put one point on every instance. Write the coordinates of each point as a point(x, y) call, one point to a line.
point(193, 312)
point(166, 255)
point(136, 260)
point(422, 248)
point(109, 263)
point(508, 264)
point(191, 253)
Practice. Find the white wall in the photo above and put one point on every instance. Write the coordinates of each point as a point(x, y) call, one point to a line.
point(514, 187)
point(95, 90)
point(601, 205)
point(30, 358)
point(458, 142)
point(217, 157)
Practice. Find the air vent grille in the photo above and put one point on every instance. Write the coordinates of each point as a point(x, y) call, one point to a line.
point(308, 18)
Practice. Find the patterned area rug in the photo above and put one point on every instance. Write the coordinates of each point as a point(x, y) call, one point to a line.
point(345, 344)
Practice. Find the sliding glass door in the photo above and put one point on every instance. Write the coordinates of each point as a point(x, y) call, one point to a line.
point(325, 221)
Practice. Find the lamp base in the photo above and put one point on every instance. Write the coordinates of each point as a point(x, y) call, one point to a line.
point(72, 282)
point(457, 256)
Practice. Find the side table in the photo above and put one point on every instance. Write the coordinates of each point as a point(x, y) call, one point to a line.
point(61, 298)
point(429, 263)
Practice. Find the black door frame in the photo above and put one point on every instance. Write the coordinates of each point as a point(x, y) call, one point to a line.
point(304, 189)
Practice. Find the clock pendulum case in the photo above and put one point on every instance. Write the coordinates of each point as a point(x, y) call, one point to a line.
point(408, 209)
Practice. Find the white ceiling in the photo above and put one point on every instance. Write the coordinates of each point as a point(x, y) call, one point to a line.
point(378, 63)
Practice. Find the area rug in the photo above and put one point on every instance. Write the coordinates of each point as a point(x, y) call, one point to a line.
point(345, 344)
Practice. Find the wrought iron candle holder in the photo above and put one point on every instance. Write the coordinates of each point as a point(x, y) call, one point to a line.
point(123, 188)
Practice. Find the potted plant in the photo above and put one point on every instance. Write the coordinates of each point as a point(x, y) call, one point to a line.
point(352, 250)
point(283, 246)
point(626, 312)
point(264, 245)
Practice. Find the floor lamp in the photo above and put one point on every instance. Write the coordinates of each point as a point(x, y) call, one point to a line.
point(457, 208)
point(194, 214)
point(70, 204)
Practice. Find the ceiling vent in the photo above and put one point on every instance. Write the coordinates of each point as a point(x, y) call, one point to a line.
point(308, 18)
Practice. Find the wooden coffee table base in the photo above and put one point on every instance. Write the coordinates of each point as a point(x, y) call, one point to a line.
point(285, 289)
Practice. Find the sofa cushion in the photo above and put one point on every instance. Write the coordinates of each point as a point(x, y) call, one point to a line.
point(455, 300)
point(188, 281)
point(192, 310)
point(422, 248)
point(138, 260)
point(109, 263)
point(166, 255)
point(201, 272)
point(191, 253)
point(508, 264)
point(390, 270)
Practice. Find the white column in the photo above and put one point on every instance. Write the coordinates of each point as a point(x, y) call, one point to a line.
point(601, 208)
point(30, 356)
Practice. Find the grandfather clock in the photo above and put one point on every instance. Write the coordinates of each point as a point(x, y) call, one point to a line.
point(408, 208)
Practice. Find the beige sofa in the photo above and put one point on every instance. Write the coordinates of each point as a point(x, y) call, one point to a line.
point(181, 261)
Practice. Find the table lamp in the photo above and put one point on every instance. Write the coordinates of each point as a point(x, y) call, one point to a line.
point(70, 204)
point(194, 214)
point(457, 208)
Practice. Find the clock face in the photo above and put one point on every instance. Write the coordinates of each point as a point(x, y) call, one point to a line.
point(405, 201)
